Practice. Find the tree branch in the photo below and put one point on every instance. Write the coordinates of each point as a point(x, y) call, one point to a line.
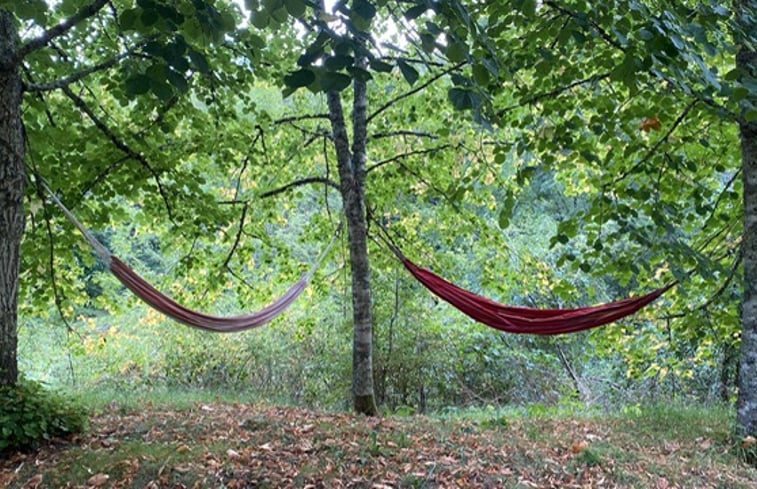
point(406, 155)
point(602, 33)
point(60, 29)
point(415, 90)
point(299, 183)
point(46, 87)
point(297, 118)
point(554, 93)
point(417, 134)
point(238, 237)
point(126, 149)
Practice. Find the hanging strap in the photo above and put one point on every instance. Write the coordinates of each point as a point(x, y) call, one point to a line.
point(100, 249)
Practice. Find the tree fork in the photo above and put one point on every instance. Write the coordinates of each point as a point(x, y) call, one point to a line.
point(11, 195)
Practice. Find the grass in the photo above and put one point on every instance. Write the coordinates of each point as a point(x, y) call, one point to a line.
point(170, 438)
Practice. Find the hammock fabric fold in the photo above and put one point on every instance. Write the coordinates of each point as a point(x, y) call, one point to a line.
point(164, 304)
point(514, 319)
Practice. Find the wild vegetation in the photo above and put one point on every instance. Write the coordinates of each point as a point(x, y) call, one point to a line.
point(545, 154)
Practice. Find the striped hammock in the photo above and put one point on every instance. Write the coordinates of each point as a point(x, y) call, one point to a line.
point(169, 307)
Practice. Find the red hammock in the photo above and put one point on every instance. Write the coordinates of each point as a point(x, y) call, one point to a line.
point(523, 319)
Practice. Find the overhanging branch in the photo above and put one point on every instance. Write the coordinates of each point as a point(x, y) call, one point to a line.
point(46, 87)
point(121, 145)
point(60, 29)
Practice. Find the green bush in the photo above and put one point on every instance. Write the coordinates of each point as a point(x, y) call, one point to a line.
point(29, 414)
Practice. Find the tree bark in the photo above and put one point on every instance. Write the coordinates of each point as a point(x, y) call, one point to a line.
point(746, 62)
point(11, 195)
point(747, 404)
point(352, 187)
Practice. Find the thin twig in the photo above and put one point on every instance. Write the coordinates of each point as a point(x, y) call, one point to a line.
point(238, 237)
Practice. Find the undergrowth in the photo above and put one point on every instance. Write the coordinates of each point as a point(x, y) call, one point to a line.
point(31, 413)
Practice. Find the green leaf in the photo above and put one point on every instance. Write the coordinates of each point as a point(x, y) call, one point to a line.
point(177, 80)
point(137, 85)
point(461, 98)
point(457, 52)
point(481, 74)
point(299, 78)
point(411, 74)
point(334, 81)
point(161, 89)
point(336, 63)
point(199, 61)
point(364, 9)
point(528, 8)
point(129, 19)
point(415, 12)
point(377, 65)
point(296, 8)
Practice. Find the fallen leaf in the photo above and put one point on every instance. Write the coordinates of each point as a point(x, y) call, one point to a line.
point(233, 454)
point(98, 480)
point(34, 482)
point(579, 446)
point(748, 441)
point(182, 468)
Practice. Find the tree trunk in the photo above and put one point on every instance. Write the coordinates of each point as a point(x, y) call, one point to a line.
point(11, 196)
point(746, 61)
point(352, 186)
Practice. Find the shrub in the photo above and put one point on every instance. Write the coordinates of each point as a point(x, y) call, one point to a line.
point(29, 413)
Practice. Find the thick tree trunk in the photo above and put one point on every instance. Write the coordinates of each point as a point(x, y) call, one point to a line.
point(352, 185)
point(11, 196)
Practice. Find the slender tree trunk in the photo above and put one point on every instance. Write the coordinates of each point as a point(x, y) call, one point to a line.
point(11, 196)
point(746, 62)
point(747, 405)
point(352, 185)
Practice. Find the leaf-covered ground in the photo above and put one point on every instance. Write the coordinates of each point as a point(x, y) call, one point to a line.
point(242, 445)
